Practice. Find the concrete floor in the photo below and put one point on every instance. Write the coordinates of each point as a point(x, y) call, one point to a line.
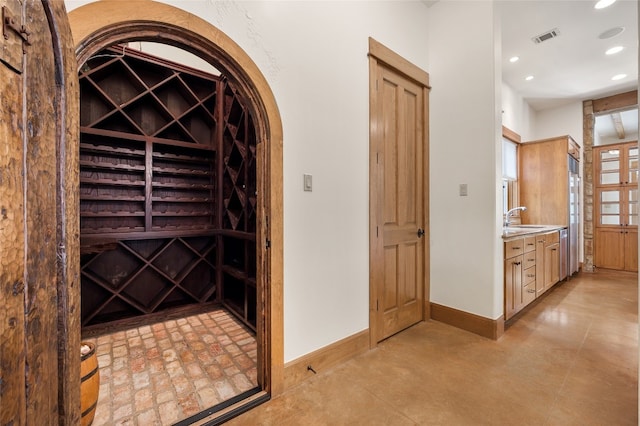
point(572, 359)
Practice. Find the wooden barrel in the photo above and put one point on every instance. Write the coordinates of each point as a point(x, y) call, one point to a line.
point(89, 385)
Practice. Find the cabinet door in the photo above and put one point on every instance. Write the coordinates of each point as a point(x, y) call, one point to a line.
point(609, 248)
point(609, 166)
point(551, 265)
point(512, 286)
point(616, 206)
point(631, 250)
point(631, 164)
point(540, 288)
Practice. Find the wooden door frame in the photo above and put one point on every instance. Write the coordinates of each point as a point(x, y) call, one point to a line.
point(104, 23)
point(382, 55)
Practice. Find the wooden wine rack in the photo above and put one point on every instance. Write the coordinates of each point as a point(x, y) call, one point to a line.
point(167, 189)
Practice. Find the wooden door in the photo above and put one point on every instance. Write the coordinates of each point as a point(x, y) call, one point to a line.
point(39, 355)
point(398, 173)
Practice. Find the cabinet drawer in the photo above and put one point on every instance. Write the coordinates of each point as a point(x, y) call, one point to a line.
point(528, 276)
point(513, 248)
point(528, 293)
point(529, 244)
point(529, 260)
point(551, 238)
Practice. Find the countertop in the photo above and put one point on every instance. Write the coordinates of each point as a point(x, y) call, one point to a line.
point(516, 231)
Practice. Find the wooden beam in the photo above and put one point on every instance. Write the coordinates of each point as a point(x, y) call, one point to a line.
point(617, 124)
point(614, 102)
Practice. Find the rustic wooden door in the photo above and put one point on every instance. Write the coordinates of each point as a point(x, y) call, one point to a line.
point(36, 375)
point(398, 143)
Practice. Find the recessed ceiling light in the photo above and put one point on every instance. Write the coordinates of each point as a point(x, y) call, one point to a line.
point(529, 78)
point(604, 3)
point(618, 77)
point(614, 50)
point(612, 32)
point(514, 59)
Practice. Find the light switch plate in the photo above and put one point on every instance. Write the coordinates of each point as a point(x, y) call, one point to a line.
point(463, 190)
point(308, 182)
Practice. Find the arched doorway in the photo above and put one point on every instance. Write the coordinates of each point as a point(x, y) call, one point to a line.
point(102, 24)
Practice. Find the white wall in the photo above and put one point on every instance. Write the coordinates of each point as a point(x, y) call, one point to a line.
point(465, 126)
point(314, 56)
point(517, 115)
point(560, 121)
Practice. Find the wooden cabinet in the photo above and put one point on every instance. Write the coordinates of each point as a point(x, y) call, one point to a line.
point(617, 248)
point(544, 180)
point(519, 275)
point(167, 189)
point(513, 285)
point(551, 259)
point(531, 267)
point(616, 206)
point(548, 265)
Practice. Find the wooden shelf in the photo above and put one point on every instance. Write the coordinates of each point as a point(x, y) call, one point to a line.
point(110, 166)
point(175, 171)
point(168, 179)
point(109, 149)
point(181, 185)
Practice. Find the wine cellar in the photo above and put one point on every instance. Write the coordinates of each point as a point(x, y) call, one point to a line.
point(167, 190)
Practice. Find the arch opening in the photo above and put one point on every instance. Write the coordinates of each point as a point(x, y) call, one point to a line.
point(206, 42)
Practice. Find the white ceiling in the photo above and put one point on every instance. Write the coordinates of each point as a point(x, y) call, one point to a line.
point(572, 66)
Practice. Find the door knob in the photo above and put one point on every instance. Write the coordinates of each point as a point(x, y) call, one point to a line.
point(420, 232)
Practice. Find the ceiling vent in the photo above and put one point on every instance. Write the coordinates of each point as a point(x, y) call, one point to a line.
point(546, 36)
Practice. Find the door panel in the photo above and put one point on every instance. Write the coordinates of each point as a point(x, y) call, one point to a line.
point(609, 249)
point(401, 112)
point(39, 370)
point(631, 250)
point(12, 237)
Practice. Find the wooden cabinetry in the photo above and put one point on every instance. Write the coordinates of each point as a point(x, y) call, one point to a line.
point(616, 206)
point(167, 189)
point(551, 259)
point(531, 266)
point(513, 276)
point(544, 180)
point(519, 274)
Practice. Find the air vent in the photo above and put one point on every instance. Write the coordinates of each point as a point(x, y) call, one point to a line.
point(546, 36)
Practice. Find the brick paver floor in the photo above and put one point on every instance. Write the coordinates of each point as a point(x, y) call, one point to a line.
point(161, 373)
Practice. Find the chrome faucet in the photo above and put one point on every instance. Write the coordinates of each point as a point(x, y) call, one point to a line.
point(507, 219)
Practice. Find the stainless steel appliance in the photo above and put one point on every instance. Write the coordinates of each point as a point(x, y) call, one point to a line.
point(564, 260)
point(574, 217)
